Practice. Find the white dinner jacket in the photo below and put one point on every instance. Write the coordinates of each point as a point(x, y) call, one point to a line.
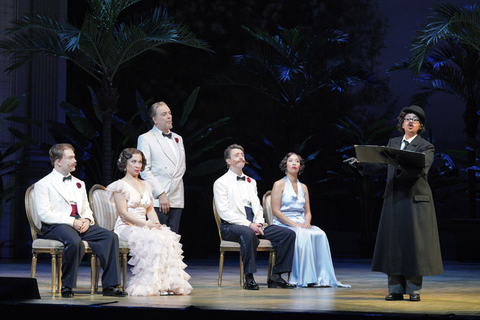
point(52, 203)
point(229, 201)
point(163, 170)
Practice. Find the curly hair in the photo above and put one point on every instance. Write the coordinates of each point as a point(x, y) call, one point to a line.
point(401, 118)
point(283, 163)
point(127, 154)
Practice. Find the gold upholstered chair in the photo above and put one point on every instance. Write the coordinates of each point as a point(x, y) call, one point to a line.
point(105, 215)
point(53, 247)
point(265, 245)
point(267, 207)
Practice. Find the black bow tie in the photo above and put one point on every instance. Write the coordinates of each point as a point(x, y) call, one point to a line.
point(167, 135)
point(241, 178)
point(69, 177)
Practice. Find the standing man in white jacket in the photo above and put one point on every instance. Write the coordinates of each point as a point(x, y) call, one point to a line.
point(165, 167)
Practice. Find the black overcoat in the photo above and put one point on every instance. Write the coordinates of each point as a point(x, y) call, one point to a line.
point(407, 241)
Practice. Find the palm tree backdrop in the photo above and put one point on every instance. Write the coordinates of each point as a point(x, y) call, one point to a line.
point(286, 67)
point(104, 44)
point(445, 53)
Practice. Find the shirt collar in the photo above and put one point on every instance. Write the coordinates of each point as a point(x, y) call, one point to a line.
point(233, 174)
point(58, 176)
point(160, 131)
point(409, 140)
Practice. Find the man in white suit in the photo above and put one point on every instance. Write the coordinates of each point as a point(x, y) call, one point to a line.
point(239, 209)
point(62, 205)
point(165, 167)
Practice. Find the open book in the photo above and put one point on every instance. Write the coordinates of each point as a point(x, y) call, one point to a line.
point(369, 153)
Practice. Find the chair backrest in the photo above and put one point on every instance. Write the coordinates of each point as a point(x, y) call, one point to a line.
point(104, 211)
point(217, 219)
point(32, 215)
point(267, 207)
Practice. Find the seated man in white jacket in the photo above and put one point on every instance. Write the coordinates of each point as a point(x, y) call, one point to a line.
point(62, 205)
point(239, 209)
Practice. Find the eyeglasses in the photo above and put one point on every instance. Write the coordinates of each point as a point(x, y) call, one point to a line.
point(411, 119)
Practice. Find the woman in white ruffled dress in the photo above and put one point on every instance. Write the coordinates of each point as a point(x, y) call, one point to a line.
point(156, 250)
point(312, 261)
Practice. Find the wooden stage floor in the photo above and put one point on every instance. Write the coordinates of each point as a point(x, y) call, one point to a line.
point(454, 294)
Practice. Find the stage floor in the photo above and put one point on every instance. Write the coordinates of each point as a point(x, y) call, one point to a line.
point(454, 294)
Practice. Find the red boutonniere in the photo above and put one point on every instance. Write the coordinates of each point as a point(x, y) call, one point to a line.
point(249, 180)
point(176, 140)
point(79, 185)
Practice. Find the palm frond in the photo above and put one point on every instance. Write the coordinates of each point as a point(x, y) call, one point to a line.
point(448, 22)
point(103, 44)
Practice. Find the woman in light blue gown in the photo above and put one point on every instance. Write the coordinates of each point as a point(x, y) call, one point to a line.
point(312, 261)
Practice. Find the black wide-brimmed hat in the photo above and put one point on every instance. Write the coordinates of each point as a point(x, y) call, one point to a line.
point(418, 111)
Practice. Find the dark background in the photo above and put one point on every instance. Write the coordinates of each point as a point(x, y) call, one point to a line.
point(380, 33)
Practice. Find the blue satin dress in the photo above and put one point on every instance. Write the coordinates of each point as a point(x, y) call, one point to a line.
point(312, 261)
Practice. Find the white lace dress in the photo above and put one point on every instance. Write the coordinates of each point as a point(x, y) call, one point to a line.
point(156, 254)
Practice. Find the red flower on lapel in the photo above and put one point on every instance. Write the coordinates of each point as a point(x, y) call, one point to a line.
point(249, 180)
point(79, 185)
point(176, 140)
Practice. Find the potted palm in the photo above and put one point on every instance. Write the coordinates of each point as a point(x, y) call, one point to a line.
point(107, 41)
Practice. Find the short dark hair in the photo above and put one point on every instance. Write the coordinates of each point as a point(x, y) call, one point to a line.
point(283, 163)
point(226, 153)
point(401, 118)
point(56, 151)
point(127, 154)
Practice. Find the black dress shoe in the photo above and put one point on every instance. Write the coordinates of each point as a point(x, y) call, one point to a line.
point(67, 292)
point(250, 285)
point(113, 292)
point(280, 283)
point(415, 297)
point(394, 296)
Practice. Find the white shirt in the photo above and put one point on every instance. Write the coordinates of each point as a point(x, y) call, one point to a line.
point(170, 142)
point(69, 187)
point(242, 185)
point(409, 141)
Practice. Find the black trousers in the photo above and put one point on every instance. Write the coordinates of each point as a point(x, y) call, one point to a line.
point(171, 218)
point(102, 241)
point(282, 238)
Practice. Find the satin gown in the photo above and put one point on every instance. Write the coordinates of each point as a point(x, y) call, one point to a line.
point(312, 261)
point(156, 254)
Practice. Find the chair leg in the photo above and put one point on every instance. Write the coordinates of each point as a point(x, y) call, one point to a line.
point(34, 265)
point(54, 272)
point(93, 260)
point(242, 278)
point(220, 268)
point(125, 267)
point(97, 273)
point(60, 272)
point(271, 263)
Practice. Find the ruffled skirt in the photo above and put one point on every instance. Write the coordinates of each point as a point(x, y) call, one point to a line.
point(158, 263)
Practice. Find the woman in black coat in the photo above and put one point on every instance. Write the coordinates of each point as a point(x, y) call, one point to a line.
point(407, 245)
